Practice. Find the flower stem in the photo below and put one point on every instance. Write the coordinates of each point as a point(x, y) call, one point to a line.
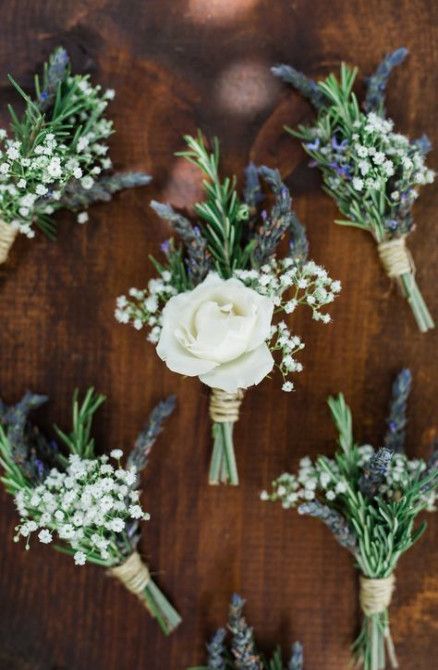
point(223, 468)
point(415, 299)
point(374, 643)
point(160, 608)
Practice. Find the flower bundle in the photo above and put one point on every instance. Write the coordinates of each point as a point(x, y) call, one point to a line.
point(369, 498)
point(55, 154)
point(88, 504)
point(210, 312)
point(372, 172)
point(242, 653)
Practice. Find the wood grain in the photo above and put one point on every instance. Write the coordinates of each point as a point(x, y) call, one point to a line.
point(178, 65)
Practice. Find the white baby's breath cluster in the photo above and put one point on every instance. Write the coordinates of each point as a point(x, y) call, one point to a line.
point(87, 507)
point(290, 284)
point(380, 154)
point(143, 307)
point(33, 176)
point(323, 480)
point(288, 345)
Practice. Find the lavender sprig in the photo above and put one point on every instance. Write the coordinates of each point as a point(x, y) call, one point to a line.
point(334, 521)
point(216, 650)
point(76, 196)
point(306, 86)
point(374, 472)
point(198, 256)
point(396, 421)
point(28, 445)
point(252, 192)
point(242, 644)
point(55, 72)
point(297, 659)
point(138, 458)
point(281, 219)
point(376, 84)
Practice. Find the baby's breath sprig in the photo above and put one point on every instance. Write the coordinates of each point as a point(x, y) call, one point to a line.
point(241, 652)
point(87, 504)
point(232, 240)
point(56, 154)
point(369, 498)
point(372, 172)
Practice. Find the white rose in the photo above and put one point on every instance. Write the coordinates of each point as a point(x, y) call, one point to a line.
point(218, 332)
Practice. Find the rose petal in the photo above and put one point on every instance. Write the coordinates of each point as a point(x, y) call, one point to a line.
point(245, 371)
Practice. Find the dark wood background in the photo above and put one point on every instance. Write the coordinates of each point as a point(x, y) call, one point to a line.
point(178, 65)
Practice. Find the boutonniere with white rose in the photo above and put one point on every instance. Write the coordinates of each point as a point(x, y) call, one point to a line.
point(55, 154)
point(214, 311)
point(372, 172)
point(87, 505)
point(369, 499)
point(234, 647)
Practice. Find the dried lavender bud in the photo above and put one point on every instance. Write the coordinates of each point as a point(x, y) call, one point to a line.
point(76, 196)
point(198, 256)
point(297, 659)
point(307, 87)
point(138, 458)
point(252, 193)
point(216, 651)
point(242, 644)
point(281, 218)
point(334, 521)
point(423, 144)
point(396, 421)
point(374, 472)
point(57, 70)
point(376, 84)
point(31, 451)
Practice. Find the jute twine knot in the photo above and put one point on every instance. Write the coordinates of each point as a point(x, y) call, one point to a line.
point(7, 237)
point(224, 406)
point(396, 257)
point(376, 594)
point(133, 574)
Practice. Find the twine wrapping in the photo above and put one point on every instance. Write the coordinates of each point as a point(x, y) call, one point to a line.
point(376, 594)
point(7, 237)
point(396, 257)
point(133, 574)
point(224, 407)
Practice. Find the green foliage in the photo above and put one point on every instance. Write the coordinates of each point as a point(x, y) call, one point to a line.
point(222, 212)
point(79, 441)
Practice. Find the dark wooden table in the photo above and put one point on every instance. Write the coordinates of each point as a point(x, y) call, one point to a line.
point(178, 65)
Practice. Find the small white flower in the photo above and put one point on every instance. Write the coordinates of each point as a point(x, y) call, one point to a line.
point(12, 153)
point(116, 453)
point(330, 495)
point(264, 495)
point(357, 183)
point(117, 524)
point(135, 511)
point(287, 386)
point(45, 536)
point(87, 182)
point(80, 558)
point(82, 217)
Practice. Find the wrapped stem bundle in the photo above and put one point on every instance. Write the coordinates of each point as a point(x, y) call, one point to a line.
point(369, 498)
point(90, 505)
point(241, 652)
point(212, 311)
point(55, 154)
point(372, 172)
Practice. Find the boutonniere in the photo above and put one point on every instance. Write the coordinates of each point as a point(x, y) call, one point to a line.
point(372, 172)
point(87, 505)
point(214, 311)
point(55, 154)
point(236, 649)
point(369, 498)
